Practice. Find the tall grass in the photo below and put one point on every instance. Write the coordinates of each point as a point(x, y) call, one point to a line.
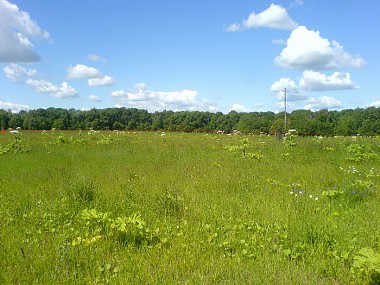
point(180, 208)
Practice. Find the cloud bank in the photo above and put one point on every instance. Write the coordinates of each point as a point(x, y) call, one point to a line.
point(141, 97)
point(314, 81)
point(323, 102)
point(14, 107)
point(63, 91)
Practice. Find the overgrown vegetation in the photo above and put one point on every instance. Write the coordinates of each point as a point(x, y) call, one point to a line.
point(182, 208)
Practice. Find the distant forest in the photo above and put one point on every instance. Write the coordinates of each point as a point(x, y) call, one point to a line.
point(322, 122)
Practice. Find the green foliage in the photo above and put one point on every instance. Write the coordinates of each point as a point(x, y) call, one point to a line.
point(333, 193)
point(16, 146)
point(368, 262)
point(170, 203)
point(361, 152)
point(245, 147)
point(322, 122)
point(132, 230)
point(106, 140)
point(127, 231)
point(82, 189)
point(356, 185)
point(290, 141)
point(62, 138)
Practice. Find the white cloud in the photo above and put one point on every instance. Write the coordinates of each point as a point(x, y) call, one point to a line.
point(101, 81)
point(95, 77)
point(95, 57)
point(82, 71)
point(308, 50)
point(16, 31)
point(323, 102)
point(141, 97)
point(293, 91)
point(374, 104)
point(16, 72)
point(42, 86)
point(14, 107)
point(94, 98)
point(65, 91)
point(238, 108)
point(62, 92)
point(316, 81)
point(275, 17)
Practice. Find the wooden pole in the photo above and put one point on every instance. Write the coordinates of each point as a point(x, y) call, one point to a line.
point(285, 110)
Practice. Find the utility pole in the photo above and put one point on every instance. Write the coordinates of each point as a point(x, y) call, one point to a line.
point(285, 109)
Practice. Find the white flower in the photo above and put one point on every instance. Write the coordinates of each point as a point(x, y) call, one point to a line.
point(316, 199)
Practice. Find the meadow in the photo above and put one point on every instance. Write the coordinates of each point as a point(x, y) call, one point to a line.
point(188, 208)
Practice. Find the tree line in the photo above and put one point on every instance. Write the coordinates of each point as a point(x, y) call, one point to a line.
point(323, 122)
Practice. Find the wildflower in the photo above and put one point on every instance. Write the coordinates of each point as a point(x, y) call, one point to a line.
point(310, 196)
point(291, 192)
point(316, 199)
point(300, 192)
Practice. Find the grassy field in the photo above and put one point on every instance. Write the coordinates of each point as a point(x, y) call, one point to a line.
point(182, 208)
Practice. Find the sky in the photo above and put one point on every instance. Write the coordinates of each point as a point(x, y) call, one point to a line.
point(189, 55)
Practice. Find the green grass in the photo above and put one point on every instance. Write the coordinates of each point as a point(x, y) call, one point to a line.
point(182, 208)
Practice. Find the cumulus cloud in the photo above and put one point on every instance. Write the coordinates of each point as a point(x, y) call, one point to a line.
point(61, 92)
point(293, 91)
point(275, 17)
point(14, 107)
point(323, 102)
point(16, 72)
point(101, 81)
point(17, 30)
point(316, 81)
point(94, 98)
point(80, 71)
point(308, 50)
point(141, 97)
point(95, 77)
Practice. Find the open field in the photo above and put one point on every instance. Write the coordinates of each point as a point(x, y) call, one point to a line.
point(183, 208)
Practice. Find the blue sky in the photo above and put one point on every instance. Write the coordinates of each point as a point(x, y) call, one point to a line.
point(189, 55)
